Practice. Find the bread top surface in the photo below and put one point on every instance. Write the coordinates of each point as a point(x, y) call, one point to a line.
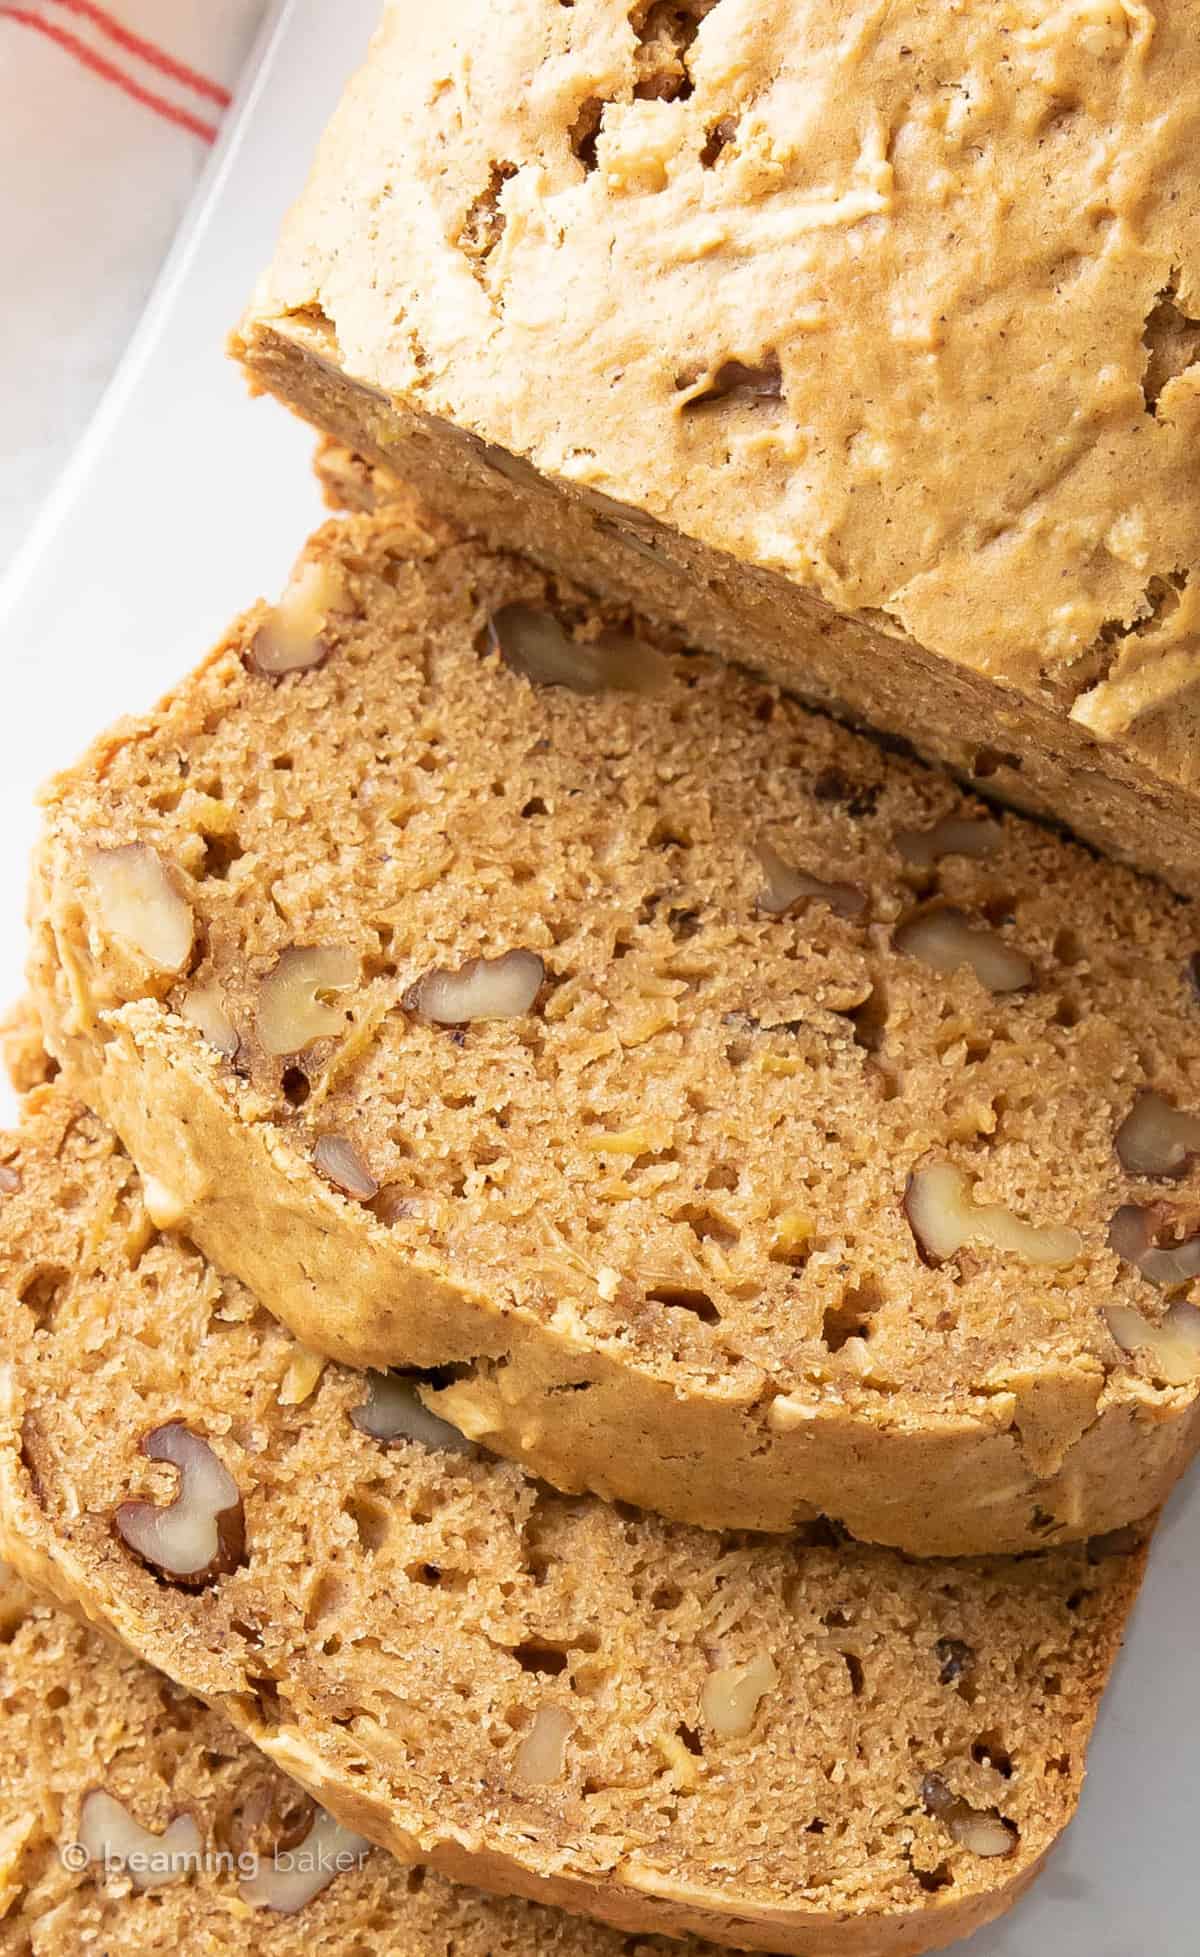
point(562, 1684)
point(696, 1146)
point(902, 302)
point(82, 1717)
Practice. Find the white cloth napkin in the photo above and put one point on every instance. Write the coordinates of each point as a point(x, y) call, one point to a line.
point(107, 116)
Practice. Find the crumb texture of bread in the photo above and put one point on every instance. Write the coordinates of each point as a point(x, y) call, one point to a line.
point(82, 1716)
point(727, 1114)
point(807, 1746)
point(863, 345)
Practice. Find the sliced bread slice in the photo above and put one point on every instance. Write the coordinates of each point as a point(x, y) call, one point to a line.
point(692, 301)
point(135, 1820)
point(749, 1126)
point(808, 1747)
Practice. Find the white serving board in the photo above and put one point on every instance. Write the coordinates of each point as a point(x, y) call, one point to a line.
point(185, 502)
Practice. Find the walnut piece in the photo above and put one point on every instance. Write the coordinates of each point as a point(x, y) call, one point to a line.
point(541, 1756)
point(1151, 1236)
point(265, 1812)
point(203, 1006)
point(1173, 1346)
point(534, 644)
point(199, 1536)
point(954, 835)
point(393, 1411)
point(731, 1695)
point(484, 988)
point(289, 1878)
point(982, 1831)
point(786, 887)
point(944, 940)
point(115, 1841)
point(1157, 1139)
point(140, 904)
point(290, 638)
point(397, 1202)
point(292, 1011)
point(339, 1161)
point(944, 1218)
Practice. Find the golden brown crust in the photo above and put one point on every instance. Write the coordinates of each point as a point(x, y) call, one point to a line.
point(405, 1616)
point(676, 1184)
point(950, 484)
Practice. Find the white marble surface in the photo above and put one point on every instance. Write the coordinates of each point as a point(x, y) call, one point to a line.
point(189, 501)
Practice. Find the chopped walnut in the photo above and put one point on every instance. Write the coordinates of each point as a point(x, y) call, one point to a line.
point(1173, 1347)
point(112, 1837)
point(290, 1877)
point(484, 988)
point(786, 887)
point(731, 1695)
point(534, 644)
point(541, 1756)
point(944, 1218)
point(140, 904)
point(1157, 1139)
point(341, 1164)
point(1153, 1237)
point(291, 637)
point(265, 1814)
point(199, 1536)
point(393, 1411)
point(397, 1202)
point(982, 1831)
point(954, 835)
point(203, 1006)
point(292, 1011)
point(944, 940)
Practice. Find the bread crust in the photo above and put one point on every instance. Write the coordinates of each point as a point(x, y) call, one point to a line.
point(403, 1614)
point(656, 1223)
point(895, 400)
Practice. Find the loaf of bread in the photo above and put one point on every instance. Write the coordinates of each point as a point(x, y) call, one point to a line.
point(807, 1747)
point(134, 1821)
point(860, 343)
point(742, 1122)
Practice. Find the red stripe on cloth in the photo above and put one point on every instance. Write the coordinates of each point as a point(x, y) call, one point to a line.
point(148, 51)
point(106, 70)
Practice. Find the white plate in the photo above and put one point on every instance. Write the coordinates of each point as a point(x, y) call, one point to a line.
point(186, 502)
point(186, 499)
